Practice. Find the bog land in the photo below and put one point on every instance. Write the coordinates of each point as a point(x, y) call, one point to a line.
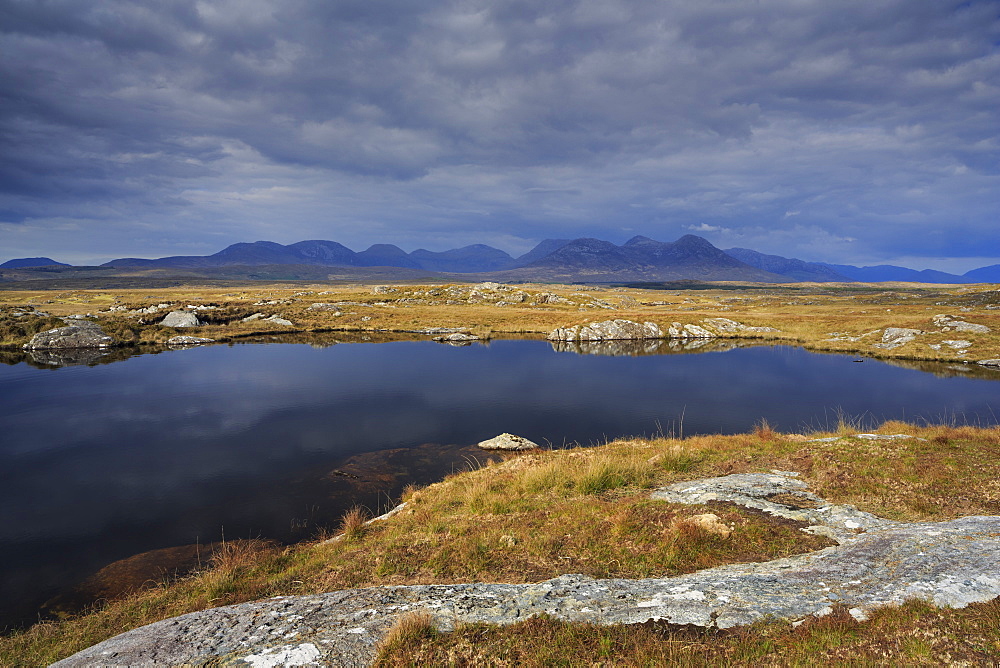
point(592, 511)
point(911, 321)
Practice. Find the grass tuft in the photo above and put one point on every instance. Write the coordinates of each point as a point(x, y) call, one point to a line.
point(353, 523)
point(408, 633)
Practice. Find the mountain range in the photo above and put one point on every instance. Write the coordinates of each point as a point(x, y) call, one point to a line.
point(585, 259)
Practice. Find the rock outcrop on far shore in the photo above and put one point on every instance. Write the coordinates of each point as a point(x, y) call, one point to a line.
point(610, 330)
point(81, 334)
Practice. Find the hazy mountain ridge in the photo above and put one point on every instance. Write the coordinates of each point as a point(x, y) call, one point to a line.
point(23, 262)
point(639, 258)
point(800, 270)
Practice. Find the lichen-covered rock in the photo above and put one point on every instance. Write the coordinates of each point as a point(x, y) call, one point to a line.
point(947, 323)
point(610, 330)
point(681, 331)
point(779, 494)
point(508, 442)
point(893, 337)
point(949, 563)
point(992, 362)
point(180, 319)
point(81, 334)
point(322, 306)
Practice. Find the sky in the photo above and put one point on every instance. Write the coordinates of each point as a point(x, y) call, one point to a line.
point(855, 131)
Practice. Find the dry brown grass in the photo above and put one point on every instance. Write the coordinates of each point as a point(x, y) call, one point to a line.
point(352, 524)
point(912, 634)
point(410, 629)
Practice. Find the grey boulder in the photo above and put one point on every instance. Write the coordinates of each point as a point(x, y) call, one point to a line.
point(181, 319)
point(81, 334)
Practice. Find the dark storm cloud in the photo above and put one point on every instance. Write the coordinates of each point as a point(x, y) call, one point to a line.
point(826, 130)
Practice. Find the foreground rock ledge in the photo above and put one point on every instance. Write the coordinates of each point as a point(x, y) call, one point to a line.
point(878, 563)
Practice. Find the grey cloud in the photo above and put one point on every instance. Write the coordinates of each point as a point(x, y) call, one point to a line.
point(872, 119)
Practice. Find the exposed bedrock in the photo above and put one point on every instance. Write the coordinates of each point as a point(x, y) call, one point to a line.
point(877, 563)
point(81, 334)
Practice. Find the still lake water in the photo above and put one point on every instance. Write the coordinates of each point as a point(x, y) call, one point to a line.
point(98, 463)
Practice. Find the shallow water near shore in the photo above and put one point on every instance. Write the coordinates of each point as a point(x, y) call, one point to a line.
point(99, 463)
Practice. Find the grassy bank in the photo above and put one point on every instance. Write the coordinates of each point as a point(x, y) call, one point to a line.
point(841, 318)
point(544, 513)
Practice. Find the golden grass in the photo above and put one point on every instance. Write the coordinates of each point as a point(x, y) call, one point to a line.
point(913, 634)
point(585, 510)
point(352, 524)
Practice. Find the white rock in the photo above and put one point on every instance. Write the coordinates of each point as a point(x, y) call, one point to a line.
point(181, 319)
point(507, 441)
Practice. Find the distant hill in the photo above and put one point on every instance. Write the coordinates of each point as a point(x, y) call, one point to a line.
point(540, 251)
point(887, 272)
point(586, 259)
point(21, 263)
point(797, 270)
point(386, 255)
point(642, 259)
point(470, 259)
point(990, 274)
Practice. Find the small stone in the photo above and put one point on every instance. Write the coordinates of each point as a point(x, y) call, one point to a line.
point(507, 441)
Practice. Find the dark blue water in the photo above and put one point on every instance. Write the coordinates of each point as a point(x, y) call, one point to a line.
point(101, 462)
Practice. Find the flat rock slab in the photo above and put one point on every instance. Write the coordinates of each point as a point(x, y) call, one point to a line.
point(951, 563)
point(780, 494)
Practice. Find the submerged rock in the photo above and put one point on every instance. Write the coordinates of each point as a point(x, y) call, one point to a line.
point(184, 340)
point(460, 338)
point(81, 334)
point(181, 319)
point(508, 442)
point(610, 330)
